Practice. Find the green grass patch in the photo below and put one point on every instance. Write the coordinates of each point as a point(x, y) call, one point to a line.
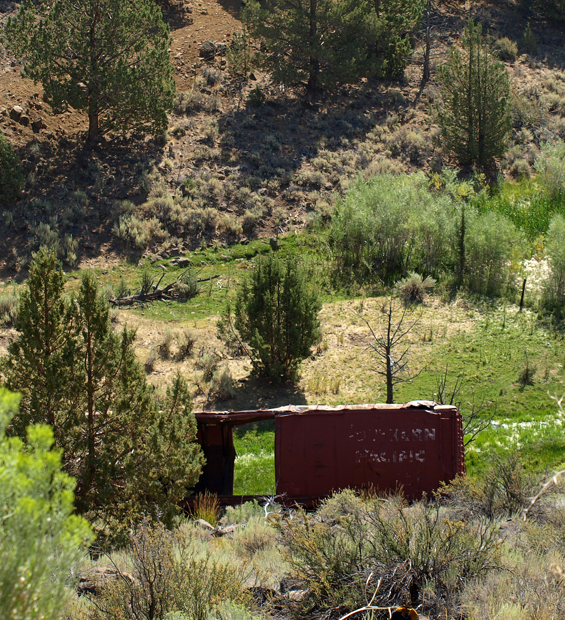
point(491, 359)
point(525, 204)
point(255, 461)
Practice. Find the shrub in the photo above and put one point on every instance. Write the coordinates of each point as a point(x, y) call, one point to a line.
point(529, 40)
point(242, 513)
point(474, 115)
point(208, 363)
point(166, 575)
point(165, 344)
point(11, 175)
point(413, 289)
point(550, 166)
point(418, 553)
point(8, 309)
point(506, 49)
point(502, 491)
point(254, 537)
point(530, 587)
point(490, 246)
point(276, 316)
point(223, 386)
point(520, 169)
point(151, 360)
point(138, 233)
point(185, 342)
point(387, 226)
point(554, 288)
point(40, 538)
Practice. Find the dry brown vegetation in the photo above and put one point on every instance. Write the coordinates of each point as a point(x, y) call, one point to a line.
point(229, 170)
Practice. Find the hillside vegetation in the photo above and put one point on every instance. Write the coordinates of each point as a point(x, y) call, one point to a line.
point(245, 243)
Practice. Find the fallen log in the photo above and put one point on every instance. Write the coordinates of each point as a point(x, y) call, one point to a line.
point(166, 293)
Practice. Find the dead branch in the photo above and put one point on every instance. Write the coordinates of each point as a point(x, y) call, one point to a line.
point(167, 293)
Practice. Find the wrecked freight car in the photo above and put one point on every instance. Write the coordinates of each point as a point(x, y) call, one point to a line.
point(319, 450)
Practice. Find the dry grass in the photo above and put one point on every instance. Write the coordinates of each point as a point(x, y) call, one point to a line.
point(340, 371)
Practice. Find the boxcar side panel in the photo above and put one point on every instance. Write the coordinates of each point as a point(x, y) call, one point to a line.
point(318, 452)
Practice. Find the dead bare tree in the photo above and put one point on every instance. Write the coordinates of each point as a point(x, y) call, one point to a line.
point(387, 346)
point(476, 417)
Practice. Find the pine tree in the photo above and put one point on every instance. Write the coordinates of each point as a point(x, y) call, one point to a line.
point(275, 318)
point(11, 175)
point(39, 362)
point(474, 114)
point(107, 57)
point(128, 454)
point(322, 42)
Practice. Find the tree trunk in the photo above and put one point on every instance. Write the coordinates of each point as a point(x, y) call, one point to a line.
point(389, 362)
point(426, 72)
point(91, 457)
point(93, 130)
point(314, 61)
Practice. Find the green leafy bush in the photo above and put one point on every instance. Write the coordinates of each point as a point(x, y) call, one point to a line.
point(11, 175)
point(275, 317)
point(554, 289)
point(388, 226)
point(40, 538)
point(492, 247)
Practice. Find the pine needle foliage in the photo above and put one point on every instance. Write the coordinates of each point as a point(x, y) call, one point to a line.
point(11, 175)
point(474, 114)
point(322, 42)
point(129, 454)
point(106, 57)
point(275, 318)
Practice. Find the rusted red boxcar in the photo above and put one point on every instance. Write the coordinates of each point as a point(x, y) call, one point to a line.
point(319, 450)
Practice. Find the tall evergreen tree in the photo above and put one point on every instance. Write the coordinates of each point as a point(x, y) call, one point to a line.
point(322, 42)
point(107, 57)
point(129, 454)
point(474, 114)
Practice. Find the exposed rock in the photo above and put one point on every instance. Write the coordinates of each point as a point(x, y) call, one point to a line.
point(207, 50)
point(204, 524)
point(38, 123)
point(274, 243)
point(24, 120)
point(16, 112)
point(94, 580)
point(183, 261)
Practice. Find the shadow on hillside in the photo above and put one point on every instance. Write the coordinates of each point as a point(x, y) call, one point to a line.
point(287, 131)
point(233, 7)
point(252, 394)
point(72, 189)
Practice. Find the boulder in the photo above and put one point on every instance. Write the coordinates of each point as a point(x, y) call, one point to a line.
point(207, 50)
point(16, 112)
point(93, 581)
